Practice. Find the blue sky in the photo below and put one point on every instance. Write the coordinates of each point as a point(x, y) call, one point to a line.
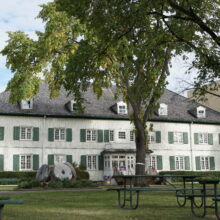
point(21, 15)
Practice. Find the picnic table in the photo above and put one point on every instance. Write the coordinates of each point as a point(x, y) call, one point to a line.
point(204, 195)
point(5, 200)
point(126, 193)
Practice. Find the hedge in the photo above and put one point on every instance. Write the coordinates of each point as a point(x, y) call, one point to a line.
point(19, 175)
point(206, 174)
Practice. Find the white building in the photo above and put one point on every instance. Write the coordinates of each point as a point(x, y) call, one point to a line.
point(186, 136)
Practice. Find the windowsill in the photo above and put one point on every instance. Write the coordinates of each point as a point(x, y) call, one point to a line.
point(25, 140)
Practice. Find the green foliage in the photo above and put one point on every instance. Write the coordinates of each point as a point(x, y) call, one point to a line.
point(206, 174)
point(19, 175)
point(29, 183)
point(81, 172)
point(55, 184)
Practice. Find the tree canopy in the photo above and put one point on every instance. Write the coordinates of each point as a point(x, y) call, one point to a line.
point(128, 44)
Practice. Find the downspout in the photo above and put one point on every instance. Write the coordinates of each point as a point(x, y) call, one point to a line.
point(191, 145)
point(43, 140)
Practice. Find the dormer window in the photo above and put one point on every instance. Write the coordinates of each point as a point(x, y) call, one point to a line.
point(27, 104)
point(163, 109)
point(72, 106)
point(122, 108)
point(201, 112)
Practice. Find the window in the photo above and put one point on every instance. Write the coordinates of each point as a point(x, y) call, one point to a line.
point(122, 108)
point(151, 137)
point(107, 162)
point(201, 112)
point(59, 158)
point(59, 134)
point(26, 104)
point(91, 135)
point(203, 138)
point(92, 162)
point(162, 109)
point(153, 162)
point(179, 163)
point(26, 133)
point(178, 137)
point(131, 135)
point(25, 162)
point(111, 135)
point(131, 162)
point(204, 163)
point(121, 135)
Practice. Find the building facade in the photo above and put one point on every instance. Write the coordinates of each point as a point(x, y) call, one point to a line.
point(185, 136)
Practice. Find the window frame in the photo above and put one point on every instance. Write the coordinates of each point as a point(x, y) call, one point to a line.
point(60, 134)
point(119, 138)
point(58, 161)
point(180, 159)
point(26, 133)
point(178, 137)
point(94, 164)
point(111, 135)
point(205, 160)
point(93, 133)
point(25, 162)
point(163, 110)
point(132, 136)
point(151, 137)
point(203, 140)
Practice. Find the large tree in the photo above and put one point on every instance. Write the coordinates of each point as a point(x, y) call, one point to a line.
point(101, 43)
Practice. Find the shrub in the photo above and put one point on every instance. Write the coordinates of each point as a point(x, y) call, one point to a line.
point(55, 184)
point(28, 184)
point(206, 174)
point(19, 174)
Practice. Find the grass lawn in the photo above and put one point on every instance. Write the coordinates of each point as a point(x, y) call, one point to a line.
point(95, 205)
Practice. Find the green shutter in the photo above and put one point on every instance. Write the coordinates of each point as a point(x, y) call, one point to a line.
point(158, 137)
point(69, 134)
point(83, 161)
point(187, 163)
point(101, 162)
point(212, 163)
point(16, 133)
point(170, 138)
point(159, 162)
point(106, 135)
point(35, 134)
point(100, 136)
point(198, 166)
point(35, 162)
point(196, 138)
point(82, 135)
point(185, 137)
point(69, 158)
point(210, 139)
point(2, 133)
point(16, 159)
point(1, 162)
point(50, 159)
point(50, 134)
point(172, 163)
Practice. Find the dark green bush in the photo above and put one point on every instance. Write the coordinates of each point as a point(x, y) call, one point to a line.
point(29, 183)
point(19, 175)
point(206, 174)
point(67, 183)
point(55, 184)
point(82, 183)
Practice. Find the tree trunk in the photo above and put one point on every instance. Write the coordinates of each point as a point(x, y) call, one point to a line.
point(140, 153)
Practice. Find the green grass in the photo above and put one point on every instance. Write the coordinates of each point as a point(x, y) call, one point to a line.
point(98, 205)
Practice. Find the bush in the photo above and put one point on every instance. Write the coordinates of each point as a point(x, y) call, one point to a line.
point(19, 175)
point(82, 183)
point(28, 184)
point(206, 174)
point(55, 184)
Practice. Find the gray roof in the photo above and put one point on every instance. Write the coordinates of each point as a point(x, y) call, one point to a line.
point(179, 107)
